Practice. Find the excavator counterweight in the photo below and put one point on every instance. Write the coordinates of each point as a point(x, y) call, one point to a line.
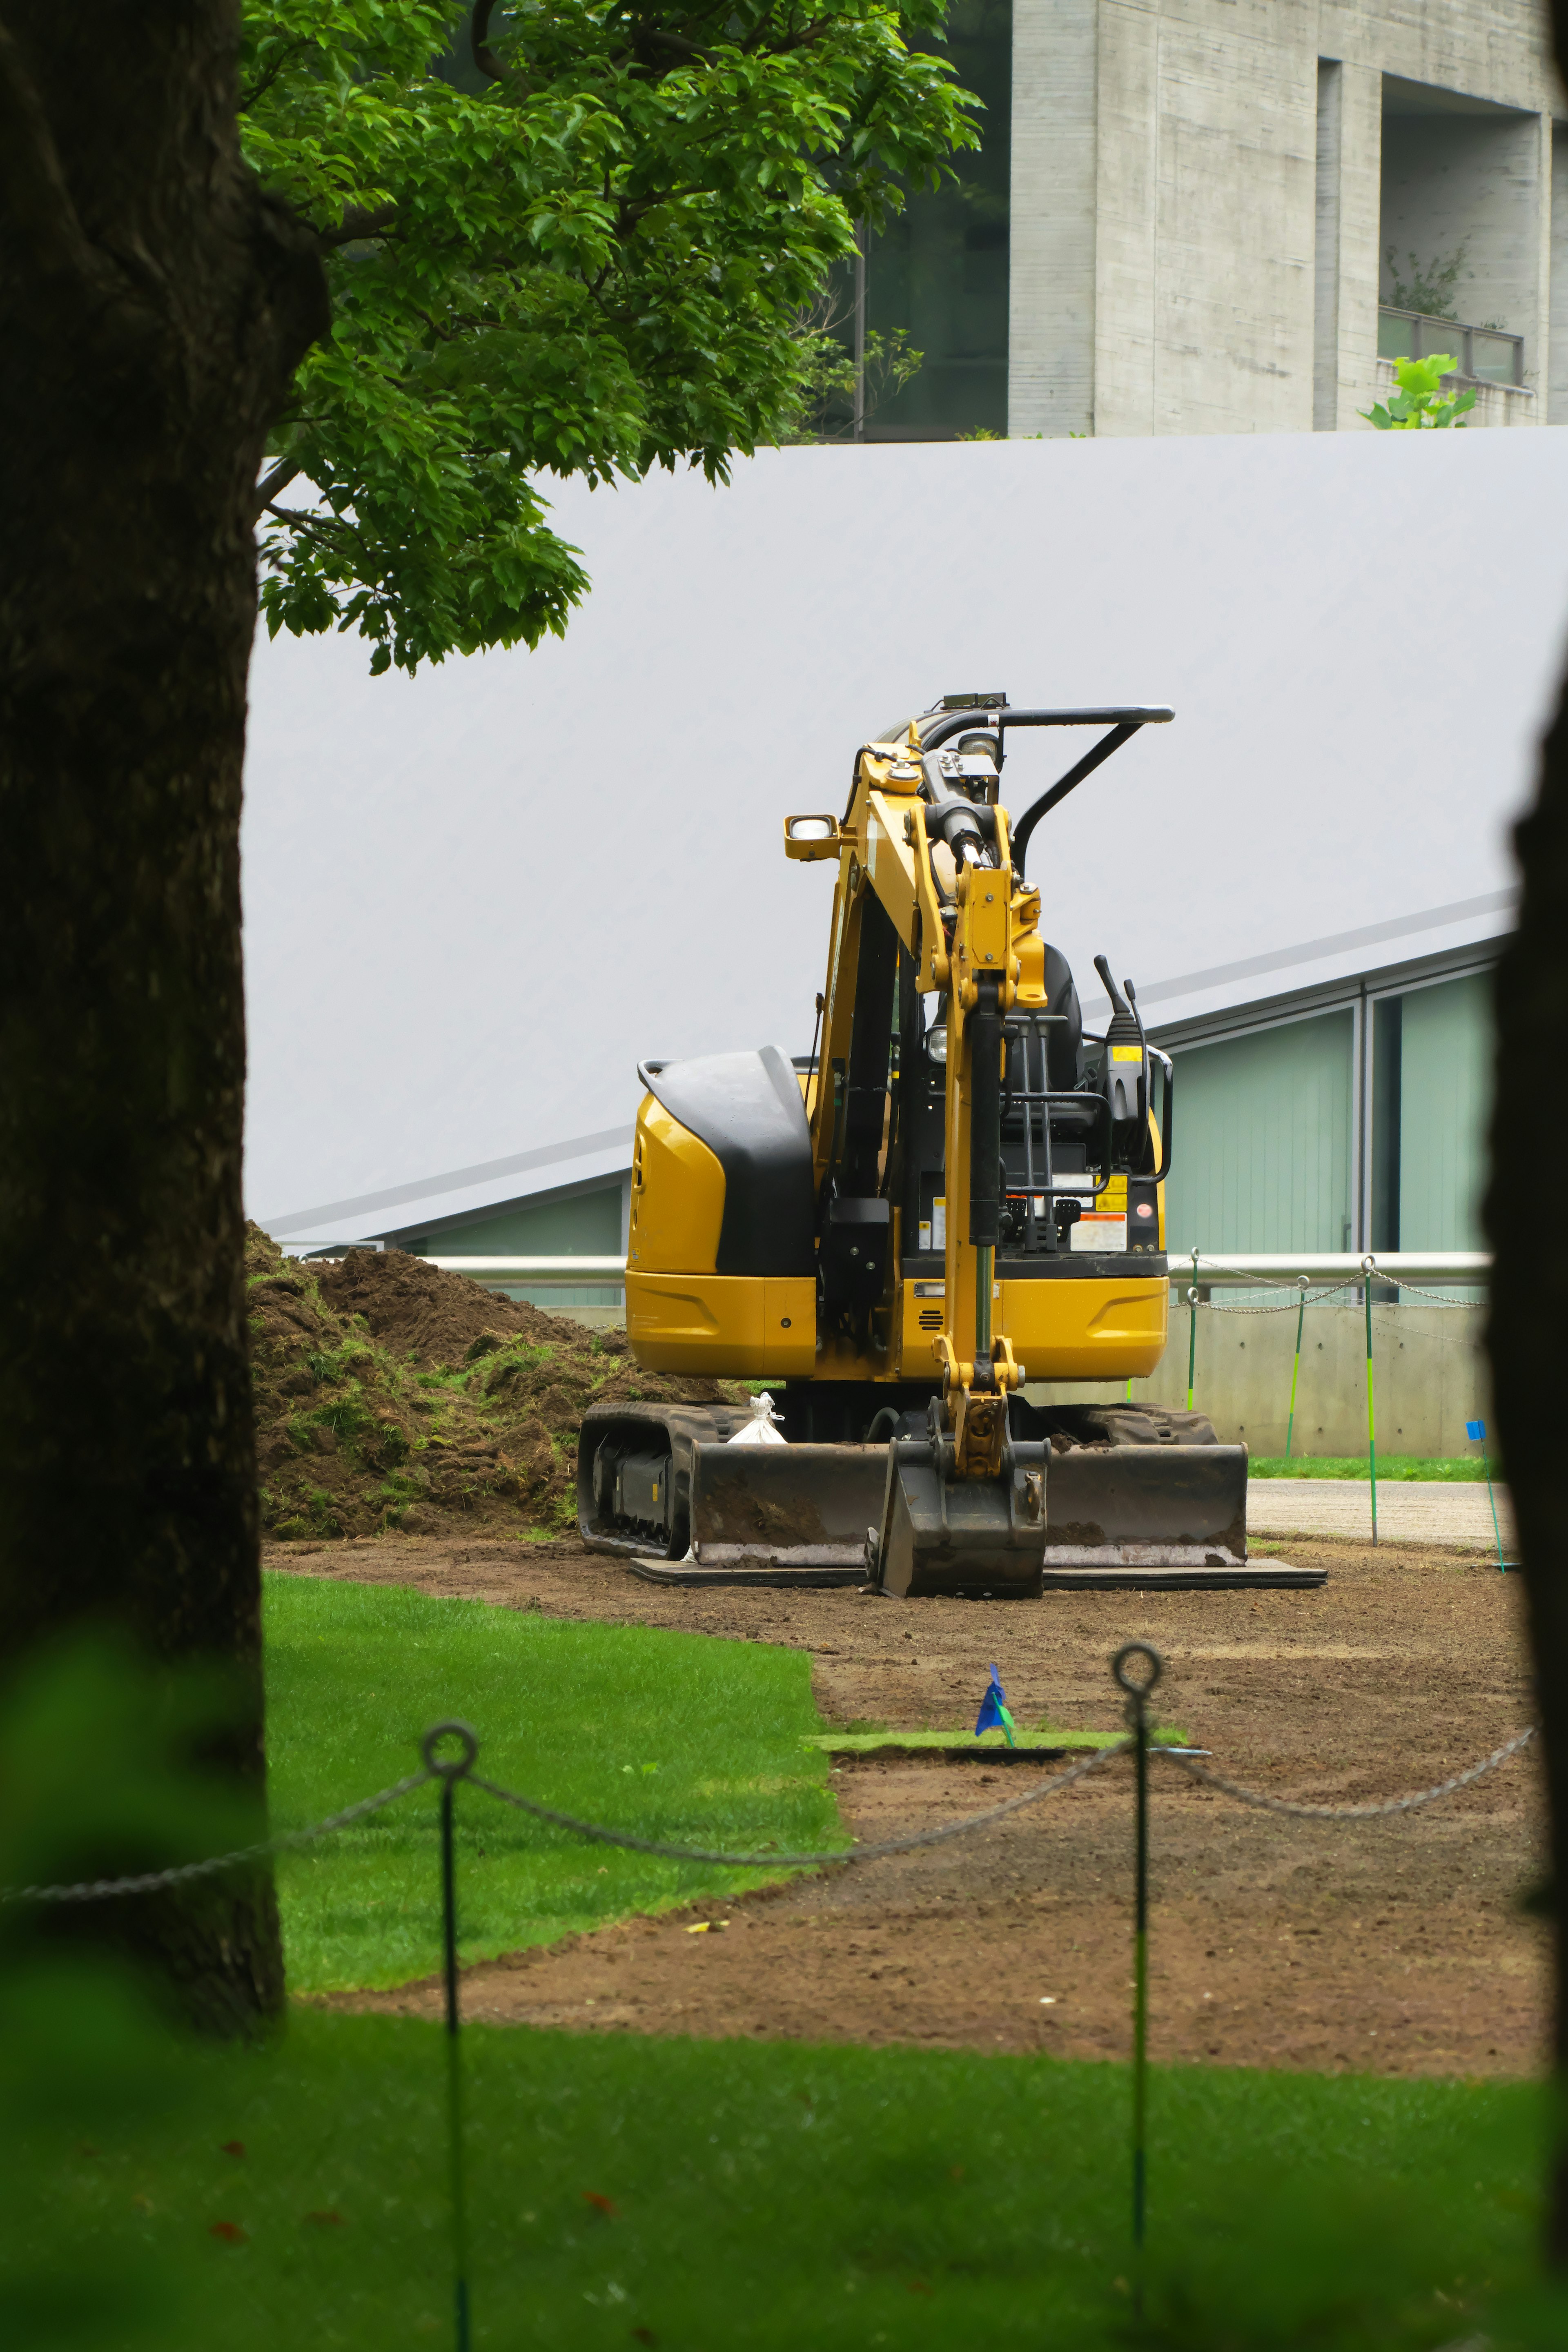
point(922, 1236)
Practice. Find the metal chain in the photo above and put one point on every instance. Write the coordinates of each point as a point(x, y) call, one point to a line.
point(1263, 1804)
point(960, 1828)
point(1285, 1306)
point(147, 1882)
point(1434, 1298)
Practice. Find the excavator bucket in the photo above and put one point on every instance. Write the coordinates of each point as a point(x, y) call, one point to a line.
point(981, 1537)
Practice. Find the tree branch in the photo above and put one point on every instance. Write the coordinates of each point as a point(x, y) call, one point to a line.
point(676, 41)
point(286, 55)
point(484, 56)
point(356, 223)
point(267, 489)
point(45, 236)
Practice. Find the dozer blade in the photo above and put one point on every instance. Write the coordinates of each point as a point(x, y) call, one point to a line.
point(970, 1537)
point(1154, 1516)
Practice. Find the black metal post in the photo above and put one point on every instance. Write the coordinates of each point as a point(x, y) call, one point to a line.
point(452, 1770)
point(1138, 1693)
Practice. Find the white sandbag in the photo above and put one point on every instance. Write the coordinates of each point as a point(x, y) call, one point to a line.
point(760, 1429)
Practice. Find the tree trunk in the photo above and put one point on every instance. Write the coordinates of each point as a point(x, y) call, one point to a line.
point(154, 304)
point(1530, 1300)
point(1530, 1312)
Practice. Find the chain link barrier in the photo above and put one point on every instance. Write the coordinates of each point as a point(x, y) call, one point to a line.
point(599, 1833)
point(1313, 1298)
point(1262, 1803)
point(149, 1882)
point(1285, 1306)
point(1259, 1282)
point(771, 1861)
point(1433, 1298)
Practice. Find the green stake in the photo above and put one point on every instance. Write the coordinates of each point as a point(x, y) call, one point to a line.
point(1366, 1267)
point(1497, 1531)
point(1476, 1432)
point(1192, 1341)
point(1296, 1367)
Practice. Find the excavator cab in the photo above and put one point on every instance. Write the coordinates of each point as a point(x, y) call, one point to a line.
point(960, 1192)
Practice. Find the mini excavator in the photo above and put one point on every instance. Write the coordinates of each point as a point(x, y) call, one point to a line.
point(963, 1192)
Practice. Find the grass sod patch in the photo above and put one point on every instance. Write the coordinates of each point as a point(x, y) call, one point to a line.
point(1045, 1739)
point(776, 2197)
point(668, 1735)
point(1462, 1470)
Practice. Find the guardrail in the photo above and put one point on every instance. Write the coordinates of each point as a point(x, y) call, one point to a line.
point(1233, 1268)
point(1244, 1269)
point(556, 1272)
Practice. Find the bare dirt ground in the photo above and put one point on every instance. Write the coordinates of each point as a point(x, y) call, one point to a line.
point(1395, 1946)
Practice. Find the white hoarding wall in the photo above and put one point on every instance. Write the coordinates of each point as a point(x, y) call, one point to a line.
point(474, 899)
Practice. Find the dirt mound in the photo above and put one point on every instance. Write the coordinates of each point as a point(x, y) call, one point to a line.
point(417, 1309)
point(392, 1395)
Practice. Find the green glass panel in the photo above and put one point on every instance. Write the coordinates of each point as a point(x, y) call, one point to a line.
point(1394, 336)
point(1262, 1157)
point(1492, 357)
point(1445, 1101)
point(939, 272)
point(589, 1223)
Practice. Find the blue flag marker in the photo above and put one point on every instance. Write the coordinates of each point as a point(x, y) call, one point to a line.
point(993, 1710)
point(1475, 1431)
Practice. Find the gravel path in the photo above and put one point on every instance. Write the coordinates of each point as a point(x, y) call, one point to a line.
point(1414, 1511)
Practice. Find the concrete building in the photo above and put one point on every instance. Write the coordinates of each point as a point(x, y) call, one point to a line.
point(1229, 215)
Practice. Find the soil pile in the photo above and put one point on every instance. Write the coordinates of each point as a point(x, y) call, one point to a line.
point(392, 1395)
point(417, 1310)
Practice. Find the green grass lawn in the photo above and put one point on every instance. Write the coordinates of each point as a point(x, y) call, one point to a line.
point(1459, 1469)
point(713, 2195)
point(672, 1736)
point(700, 2195)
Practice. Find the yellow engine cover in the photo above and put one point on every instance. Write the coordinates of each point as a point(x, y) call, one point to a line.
point(1061, 1329)
point(681, 1314)
point(742, 1326)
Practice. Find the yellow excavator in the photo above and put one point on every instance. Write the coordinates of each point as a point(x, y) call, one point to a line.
point(961, 1192)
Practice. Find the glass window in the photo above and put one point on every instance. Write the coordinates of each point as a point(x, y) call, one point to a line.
point(939, 272)
point(1395, 335)
point(1262, 1143)
point(1444, 1103)
point(1493, 358)
point(1387, 1042)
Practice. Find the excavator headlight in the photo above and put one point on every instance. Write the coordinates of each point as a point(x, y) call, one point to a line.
point(811, 837)
point(936, 1045)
